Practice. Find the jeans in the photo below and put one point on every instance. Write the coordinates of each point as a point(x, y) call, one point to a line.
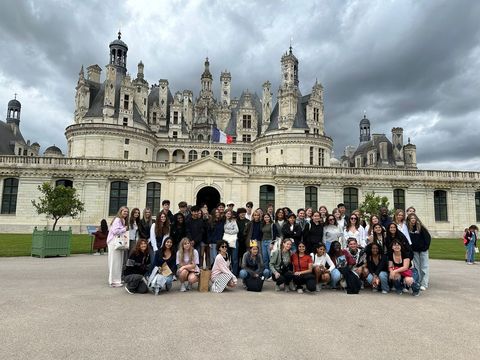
point(335, 277)
point(266, 251)
point(415, 286)
point(471, 252)
point(420, 262)
point(383, 276)
point(233, 252)
point(213, 253)
point(245, 275)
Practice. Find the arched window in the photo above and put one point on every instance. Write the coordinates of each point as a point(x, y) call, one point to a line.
point(205, 153)
point(350, 199)
point(163, 155)
point(178, 156)
point(440, 205)
point(399, 199)
point(192, 155)
point(267, 196)
point(153, 197)
point(9, 196)
point(477, 205)
point(118, 196)
point(200, 137)
point(218, 155)
point(311, 196)
point(64, 182)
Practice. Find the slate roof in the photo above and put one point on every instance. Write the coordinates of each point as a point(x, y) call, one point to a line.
point(300, 121)
point(7, 137)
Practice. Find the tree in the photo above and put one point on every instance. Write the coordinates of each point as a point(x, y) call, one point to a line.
point(372, 204)
point(57, 202)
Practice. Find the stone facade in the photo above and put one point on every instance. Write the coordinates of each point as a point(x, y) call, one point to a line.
point(135, 144)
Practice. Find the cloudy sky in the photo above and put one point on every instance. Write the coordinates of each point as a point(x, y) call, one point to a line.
point(414, 64)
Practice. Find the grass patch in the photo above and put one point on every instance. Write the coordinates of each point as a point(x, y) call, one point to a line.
point(21, 244)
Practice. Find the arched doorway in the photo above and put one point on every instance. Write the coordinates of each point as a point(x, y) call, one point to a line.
point(208, 195)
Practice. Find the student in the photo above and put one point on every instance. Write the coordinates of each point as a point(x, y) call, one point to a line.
point(331, 232)
point(252, 264)
point(249, 207)
point(313, 232)
point(320, 259)
point(166, 210)
point(401, 271)
point(145, 224)
point(269, 234)
point(165, 260)
point(385, 219)
point(214, 233)
point(221, 274)
point(178, 230)
point(420, 244)
point(159, 231)
point(280, 265)
point(100, 241)
point(241, 223)
point(132, 234)
point(472, 236)
point(187, 265)
point(197, 230)
point(342, 259)
point(253, 230)
point(376, 271)
point(138, 264)
point(355, 230)
point(399, 220)
point(302, 269)
point(118, 227)
point(394, 234)
point(230, 234)
point(292, 230)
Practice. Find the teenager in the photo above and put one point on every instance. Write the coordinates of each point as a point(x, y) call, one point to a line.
point(159, 230)
point(165, 260)
point(100, 241)
point(421, 239)
point(145, 224)
point(401, 271)
point(331, 232)
point(222, 276)
point(253, 229)
point(302, 269)
point(230, 234)
point(187, 265)
point(313, 232)
point(354, 230)
point(269, 235)
point(292, 230)
point(342, 259)
point(322, 265)
point(137, 266)
point(399, 220)
point(214, 234)
point(178, 230)
point(472, 236)
point(280, 265)
point(376, 271)
point(252, 264)
point(118, 227)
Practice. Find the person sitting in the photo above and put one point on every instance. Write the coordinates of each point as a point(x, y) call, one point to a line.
point(358, 255)
point(302, 269)
point(320, 258)
point(401, 271)
point(376, 268)
point(280, 265)
point(137, 265)
point(165, 262)
point(187, 265)
point(342, 260)
point(252, 264)
point(222, 276)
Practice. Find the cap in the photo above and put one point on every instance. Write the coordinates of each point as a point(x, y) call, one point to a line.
point(230, 202)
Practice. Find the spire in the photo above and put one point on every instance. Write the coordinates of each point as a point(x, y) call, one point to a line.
point(119, 35)
point(206, 72)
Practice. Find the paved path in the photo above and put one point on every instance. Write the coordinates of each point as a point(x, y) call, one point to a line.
point(61, 308)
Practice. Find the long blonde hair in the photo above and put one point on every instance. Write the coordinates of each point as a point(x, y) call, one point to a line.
point(119, 215)
point(181, 253)
point(418, 223)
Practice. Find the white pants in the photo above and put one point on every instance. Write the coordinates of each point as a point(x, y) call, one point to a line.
point(115, 264)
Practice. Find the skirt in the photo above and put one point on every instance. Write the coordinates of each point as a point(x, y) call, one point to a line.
point(220, 282)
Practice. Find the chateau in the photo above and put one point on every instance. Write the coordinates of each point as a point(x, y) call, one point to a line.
point(136, 144)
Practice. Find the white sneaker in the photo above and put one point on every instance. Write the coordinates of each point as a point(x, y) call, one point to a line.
point(287, 289)
point(189, 286)
point(319, 287)
point(423, 288)
point(130, 292)
point(405, 290)
point(384, 292)
point(292, 287)
point(300, 290)
point(96, 254)
point(183, 288)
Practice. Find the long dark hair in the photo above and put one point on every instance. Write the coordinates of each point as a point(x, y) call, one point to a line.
point(103, 226)
point(136, 250)
point(162, 229)
point(133, 219)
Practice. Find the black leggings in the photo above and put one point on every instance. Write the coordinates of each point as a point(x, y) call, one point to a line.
point(306, 279)
point(284, 278)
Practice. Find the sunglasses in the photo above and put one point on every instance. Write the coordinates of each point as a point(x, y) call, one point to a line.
point(353, 218)
point(331, 219)
point(223, 246)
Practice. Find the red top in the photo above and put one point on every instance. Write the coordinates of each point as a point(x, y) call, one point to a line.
point(300, 263)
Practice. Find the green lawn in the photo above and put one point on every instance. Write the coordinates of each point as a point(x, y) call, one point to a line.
point(20, 245)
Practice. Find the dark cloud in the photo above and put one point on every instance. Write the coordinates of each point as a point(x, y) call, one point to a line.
point(407, 63)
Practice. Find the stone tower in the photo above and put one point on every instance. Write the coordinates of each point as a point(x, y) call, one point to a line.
point(288, 93)
point(410, 155)
point(365, 130)
point(13, 113)
point(225, 85)
point(118, 54)
point(397, 143)
point(266, 105)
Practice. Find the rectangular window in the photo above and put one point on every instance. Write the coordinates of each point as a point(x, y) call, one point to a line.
point(118, 196)
point(316, 115)
point(399, 199)
point(127, 141)
point(440, 205)
point(125, 155)
point(311, 155)
point(154, 117)
point(321, 157)
point(125, 121)
point(175, 117)
point(153, 197)
point(9, 196)
point(247, 159)
point(266, 161)
point(267, 196)
point(311, 195)
point(234, 139)
point(146, 151)
point(234, 158)
point(144, 101)
point(246, 138)
point(175, 134)
point(350, 199)
point(126, 101)
point(477, 205)
point(247, 121)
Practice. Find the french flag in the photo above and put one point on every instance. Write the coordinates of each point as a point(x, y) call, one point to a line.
point(219, 136)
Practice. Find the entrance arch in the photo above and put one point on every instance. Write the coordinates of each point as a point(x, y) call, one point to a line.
point(208, 195)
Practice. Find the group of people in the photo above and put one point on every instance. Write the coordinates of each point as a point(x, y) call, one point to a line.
point(306, 250)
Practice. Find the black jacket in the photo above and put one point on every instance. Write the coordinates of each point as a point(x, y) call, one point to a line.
point(420, 240)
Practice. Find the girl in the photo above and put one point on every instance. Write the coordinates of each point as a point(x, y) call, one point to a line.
point(394, 234)
point(252, 264)
point(331, 232)
point(472, 237)
point(178, 230)
point(138, 264)
point(145, 224)
point(253, 230)
point(302, 269)
point(376, 269)
point(400, 269)
point(269, 234)
point(100, 242)
point(320, 258)
point(159, 231)
point(355, 230)
point(420, 244)
point(313, 232)
point(280, 265)
point(374, 219)
point(165, 261)
point(214, 234)
point(323, 213)
point(341, 258)
point(230, 234)
point(399, 220)
point(279, 222)
point(118, 227)
point(221, 274)
point(187, 264)
point(292, 230)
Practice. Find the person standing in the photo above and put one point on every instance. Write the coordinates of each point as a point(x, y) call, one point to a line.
point(420, 244)
point(118, 227)
point(472, 237)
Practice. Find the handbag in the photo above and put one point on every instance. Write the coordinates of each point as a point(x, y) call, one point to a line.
point(254, 283)
point(204, 280)
point(165, 270)
point(121, 242)
point(231, 239)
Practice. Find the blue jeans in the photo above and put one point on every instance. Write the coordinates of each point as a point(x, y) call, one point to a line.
point(233, 252)
point(335, 277)
point(471, 252)
point(169, 282)
point(213, 253)
point(245, 275)
point(420, 261)
point(266, 251)
point(383, 276)
point(415, 286)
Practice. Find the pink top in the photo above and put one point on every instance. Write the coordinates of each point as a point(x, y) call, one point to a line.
point(117, 228)
point(221, 267)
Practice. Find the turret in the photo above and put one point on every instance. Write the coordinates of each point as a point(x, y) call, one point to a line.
point(13, 113)
point(410, 155)
point(364, 130)
point(118, 54)
point(225, 85)
point(397, 143)
point(288, 93)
